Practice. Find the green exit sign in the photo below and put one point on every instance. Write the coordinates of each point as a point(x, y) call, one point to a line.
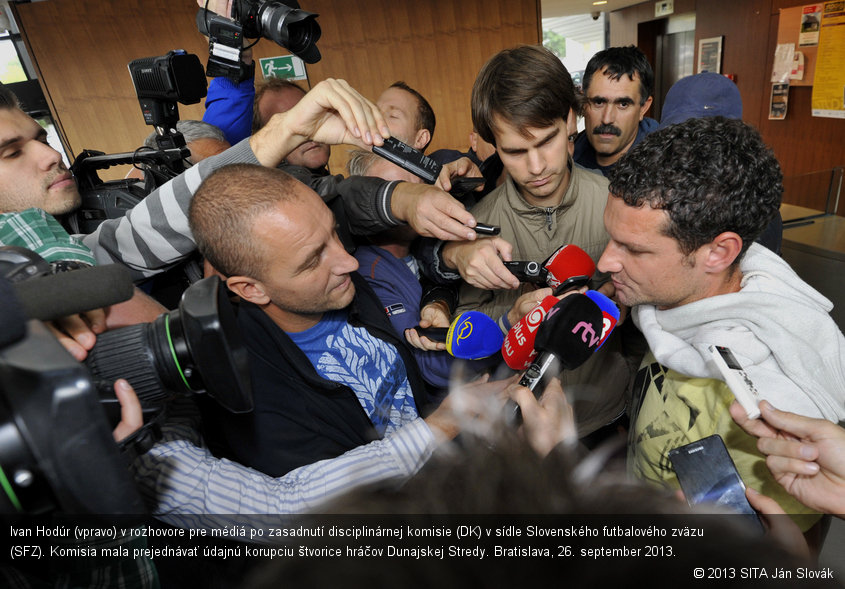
point(283, 66)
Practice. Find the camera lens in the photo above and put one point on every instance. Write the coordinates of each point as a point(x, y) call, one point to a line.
point(194, 349)
point(300, 35)
point(294, 29)
point(145, 355)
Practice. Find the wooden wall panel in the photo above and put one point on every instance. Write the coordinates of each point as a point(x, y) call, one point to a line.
point(436, 46)
point(82, 50)
point(745, 26)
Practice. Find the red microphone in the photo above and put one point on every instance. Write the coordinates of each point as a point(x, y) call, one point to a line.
point(567, 262)
point(568, 266)
point(518, 347)
point(570, 334)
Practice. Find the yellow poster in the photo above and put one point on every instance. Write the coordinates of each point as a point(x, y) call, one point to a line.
point(829, 82)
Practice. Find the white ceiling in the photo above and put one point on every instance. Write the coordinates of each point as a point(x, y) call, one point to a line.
point(552, 8)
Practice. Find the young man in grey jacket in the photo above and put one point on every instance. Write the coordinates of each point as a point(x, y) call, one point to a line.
point(521, 102)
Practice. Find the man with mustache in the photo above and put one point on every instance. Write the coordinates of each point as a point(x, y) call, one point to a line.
point(615, 103)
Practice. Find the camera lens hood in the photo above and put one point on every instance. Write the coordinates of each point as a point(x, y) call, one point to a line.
point(213, 339)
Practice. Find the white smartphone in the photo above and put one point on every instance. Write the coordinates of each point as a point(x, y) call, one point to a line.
point(738, 381)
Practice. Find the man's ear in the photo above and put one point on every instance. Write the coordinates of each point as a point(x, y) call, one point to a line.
point(248, 289)
point(422, 139)
point(644, 108)
point(722, 251)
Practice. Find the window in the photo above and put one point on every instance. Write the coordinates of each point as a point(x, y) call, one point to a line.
point(575, 39)
point(11, 69)
point(16, 71)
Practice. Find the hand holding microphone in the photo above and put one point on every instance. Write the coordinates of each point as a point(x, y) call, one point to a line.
point(518, 345)
point(572, 330)
point(471, 336)
point(567, 337)
point(568, 264)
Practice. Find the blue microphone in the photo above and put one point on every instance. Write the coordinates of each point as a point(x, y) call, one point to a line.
point(609, 311)
point(473, 335)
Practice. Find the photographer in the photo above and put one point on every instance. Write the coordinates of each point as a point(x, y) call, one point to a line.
point(34, 186)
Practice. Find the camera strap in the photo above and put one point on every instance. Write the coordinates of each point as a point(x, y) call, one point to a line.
point(141, 440)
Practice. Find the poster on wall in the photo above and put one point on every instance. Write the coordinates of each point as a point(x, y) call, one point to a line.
point(784, 60)
point(797, 67)
point(778, 101)
point(710, 55)
point(829, 83)
point(811, 17)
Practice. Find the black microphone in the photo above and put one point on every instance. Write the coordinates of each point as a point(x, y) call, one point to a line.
point(68, 293)
point(567, 337)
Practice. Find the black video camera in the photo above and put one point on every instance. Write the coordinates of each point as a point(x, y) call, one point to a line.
point(160, 82)
point(56, 448)
point(281, 22)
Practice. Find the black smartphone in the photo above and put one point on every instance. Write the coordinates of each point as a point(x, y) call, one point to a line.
point(708, 475)
point(408, 158)
point(463, 184)
point(530, 272)
point(435, 334)
point(571, 283)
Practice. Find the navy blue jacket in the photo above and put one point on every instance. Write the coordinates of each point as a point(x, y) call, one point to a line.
point(299, 417)
point(585, 155)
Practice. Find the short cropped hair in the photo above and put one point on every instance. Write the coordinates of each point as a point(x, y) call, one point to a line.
point(271, 84)
point(528, 86)
point(425, 114)
point(224, 210)
point(622, 61)
point(191, 130)
point(710, 175)
point(360, 161)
